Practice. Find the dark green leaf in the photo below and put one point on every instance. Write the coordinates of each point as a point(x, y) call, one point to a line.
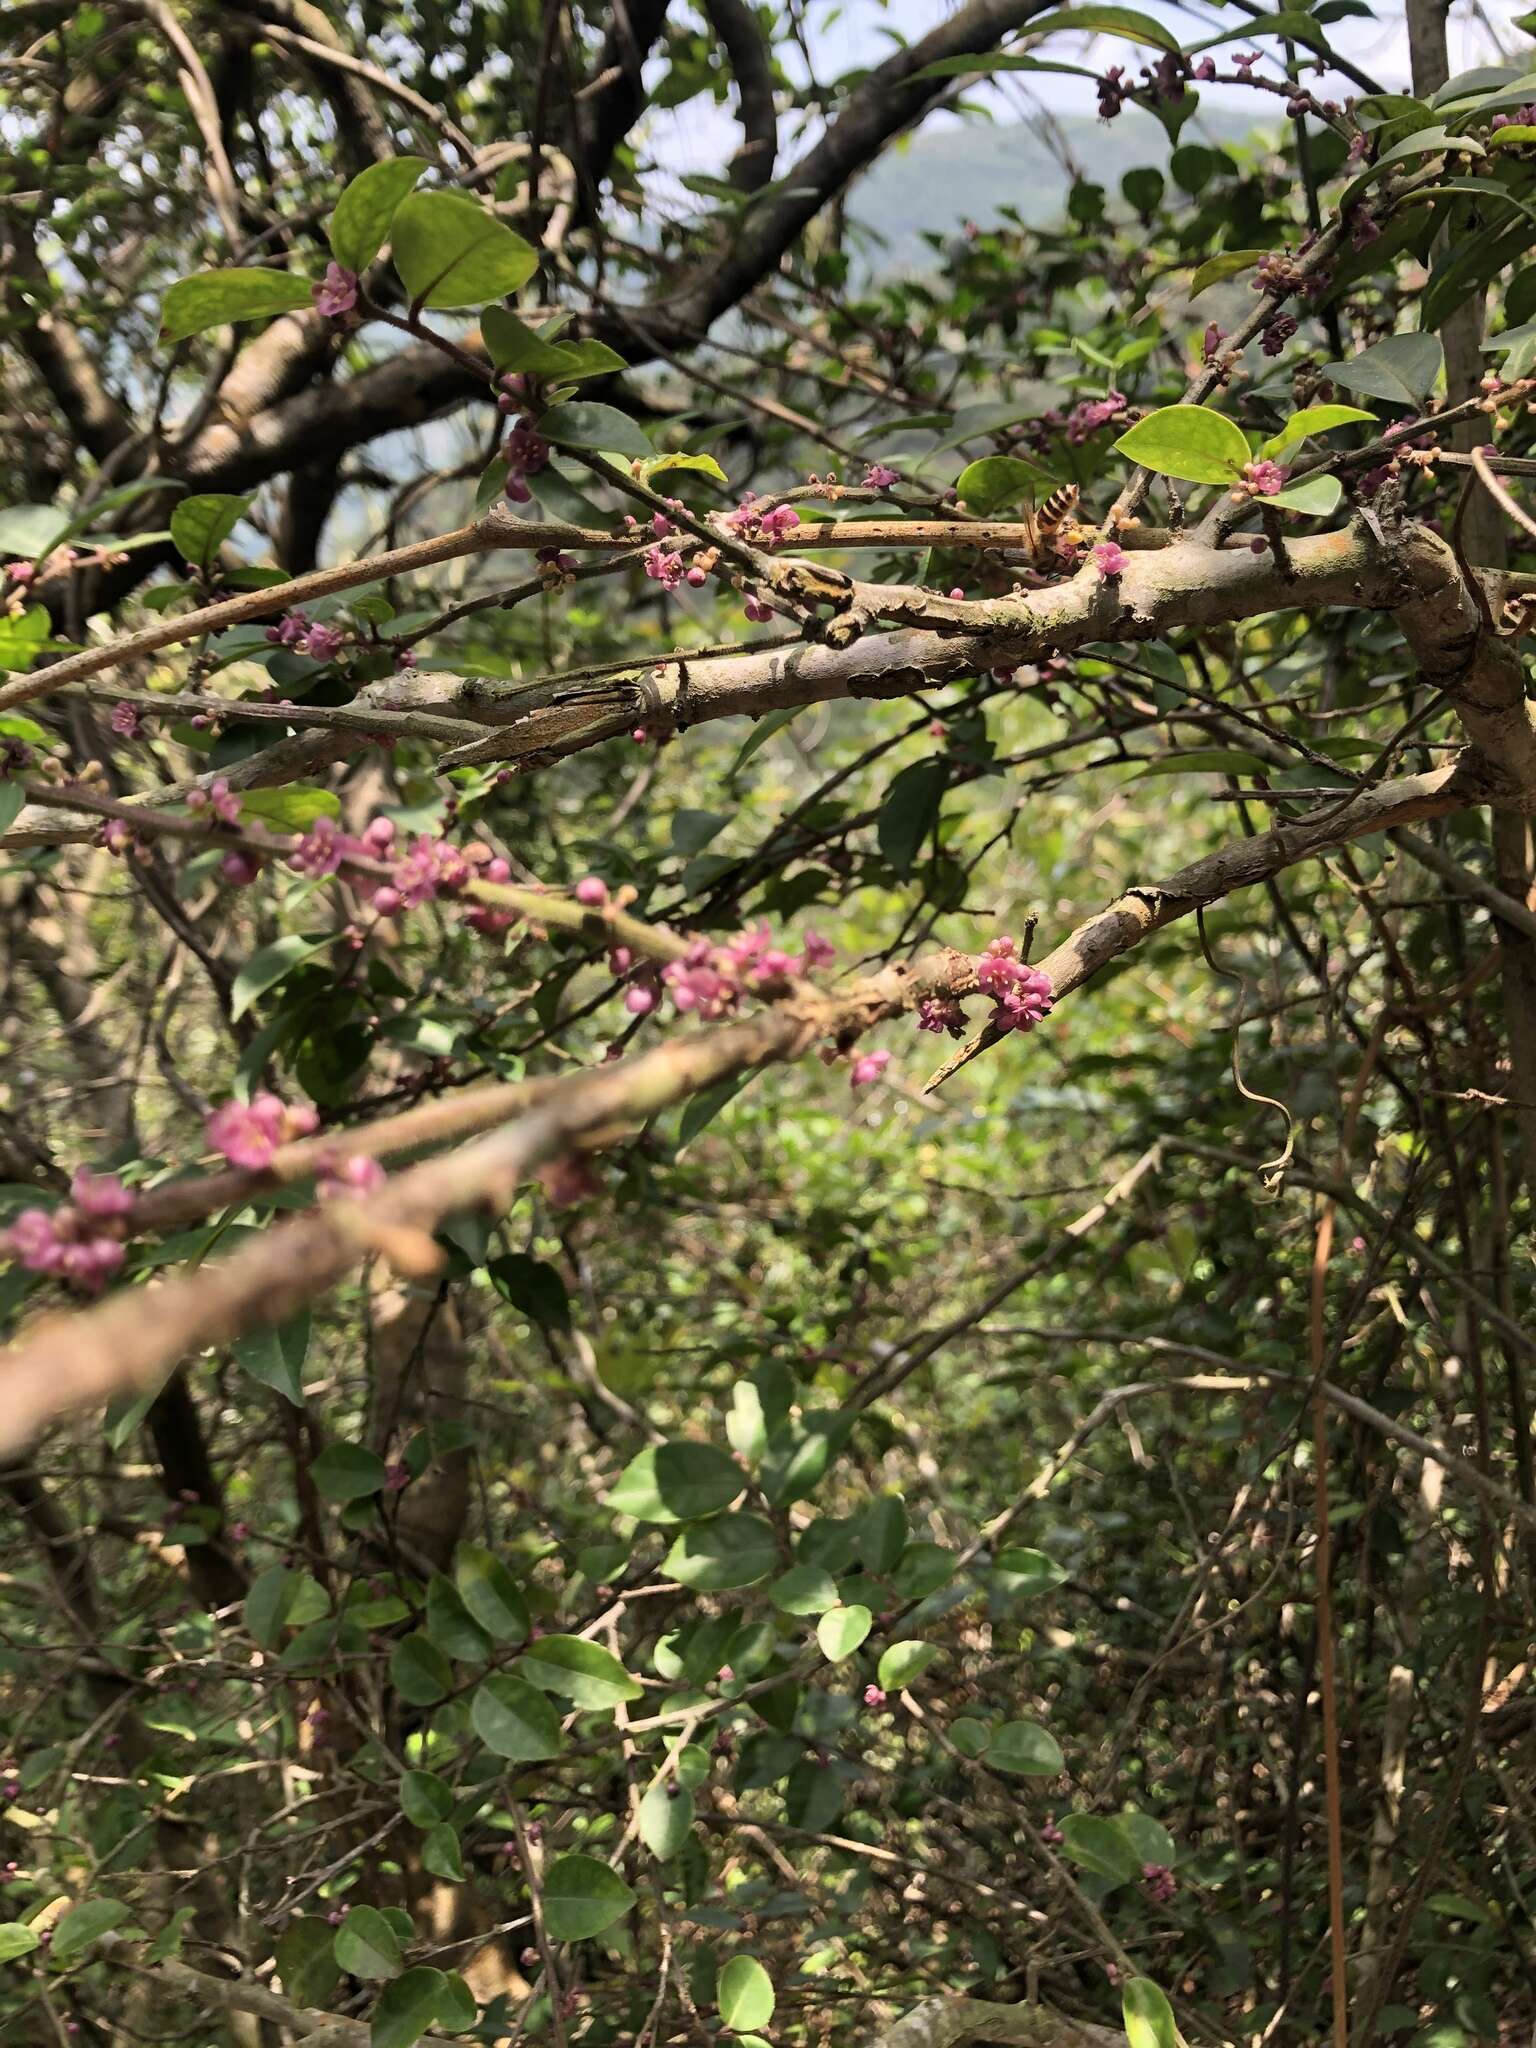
point(514, 1721)
point(676, 1482)
point(360, 225)
point(214, 298)
point(583, 1897)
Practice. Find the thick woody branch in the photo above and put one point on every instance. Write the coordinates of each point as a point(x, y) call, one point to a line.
point(68, 1362)
point(740, 33)
point(950, 2021)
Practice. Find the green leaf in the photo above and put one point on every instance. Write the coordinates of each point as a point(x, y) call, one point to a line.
point(360, 225)
point(1316, 496)
point(582, 1672)
point(490, 1593)
point(1026, 1572)
point(582, 1897)
point(676, 1482)
point(805, 1589)
point(514, 1721)
point(1098, 1845)
point(293, 809)
point(512, 346)
point(1455, 1906)
point(424, 1798)
point(1027, 1750)
point(407, 2008)
point(705, 465)
point(201, 525)
point(367, 1945)
point(451, 252)
point(745, 1994)
point(1230, 263)
point(344, 1472)
point(451, 1626)
point(440, 1853)
point(274, 963)
point(720, 1555)
point(841, 1630)
point(275, 1357)
point(1207, 761)
point(666, 1815)
point(12, 799)
point(910, 812)
point(214, 298)
point(1148, 1838)
point(1148, 2015)
point(762, 732)
point(83, 1924)
point(419, 1671)
point(881, 1533)
point(16, 1940)
point(1314, 419)
point(998, 480)
point(1125, 22)
point(585, 424)
point(306, 1960)
point(534, 1288)
point(589, 359)
point(30, 530)
point(1402, 369)
point(456, 2007)
point(1189, 442)
point(904, 1662)
point(23, 636)
point(280, 1599)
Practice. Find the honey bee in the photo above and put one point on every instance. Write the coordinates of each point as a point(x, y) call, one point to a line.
point(1048, 524)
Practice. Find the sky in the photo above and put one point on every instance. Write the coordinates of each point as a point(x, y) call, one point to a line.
point(849, 34)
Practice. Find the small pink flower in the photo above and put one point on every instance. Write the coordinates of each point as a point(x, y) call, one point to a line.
point(1110, 559)
point(1158, 1882)
point(125, 721)
point(873, 1696)
point(1050, 1832)
point(869, 1066)
point(20, 572)
point(1264, 479)
point(879, 477)
point(397, 1477)
point(337, 293)
point(355, 1175)
point(99, 1195)
point(592, 890)
point(239, 868)
point(324, 643)
point(249, 1133)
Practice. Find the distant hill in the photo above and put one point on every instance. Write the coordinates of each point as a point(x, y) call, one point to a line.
point(971, 170)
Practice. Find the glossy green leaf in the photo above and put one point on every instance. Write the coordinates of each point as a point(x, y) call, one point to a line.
point(306, 1960)
point(804, 1589)
point(84, 1924)
point(582, 1672)
point(367, 1945)
point(666, 1816)
point(1316, 496)
point(997, 481)
point(1401, 370)
point(440, 1853)
point(345, 1472)
point(583, 1897)
point(216, 298)
point(515, 1721)
point(1027, 1750)
point(16, 1940)
point(407, 2008)
point(745, 1994)
point(910, 812)
point(419, 1671)
point(424, 1798)
point(1148, 2015)
point(201, 525)
point(1126, 22)
point(1189, 442)
point(581, 423)
point(1314, 419)
point(1022, 1573)
point(451, 252)
point(361, 223)
point(841, 1630)
point(451, 1625)
point(719, 1555)
point(1216, 269)
point(280, 1598)
point(271, 965)
point(676, 1482)
point(904, 1662)
point(1099, 1845)
point(490, 1593)
point(533, 1287)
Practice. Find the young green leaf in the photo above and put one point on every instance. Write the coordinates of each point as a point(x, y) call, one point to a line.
point(745, 1994)
point(490, 1593)
point(1027, 1750)
point(367, 1945)
point(515, 1721)
point(676, 1482)
point(1148, 2015)
point(360, 225)
point(583, 1897)
point(1189, 442)
point(450, 252)
point(841, 1630)
point(407, 2008)
point(201, 525)
point(582, 1672)
point(666, 1816)
point(720, 1555)
point(216, 298)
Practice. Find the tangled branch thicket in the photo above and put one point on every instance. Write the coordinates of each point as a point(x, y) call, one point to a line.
point(770, 1024)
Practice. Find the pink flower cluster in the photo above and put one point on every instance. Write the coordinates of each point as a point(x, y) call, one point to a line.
point(880, 477)
point(709, 980)
point(354, 1175)
point(869, 1066)
point(1090, 415)
point(295, 630)
point(125, 721)
point(336, 294)
point(249, 1133)
point(1023, 994)
point(762, 528)
point(663, 566)
point(218, 798)
point(941, 1013)
point(526, 454)
point(757, 609)
point(430, 867)
point(1110, 559)
point(81, 1241)
point(1158, 1882)
point(1264, 479)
